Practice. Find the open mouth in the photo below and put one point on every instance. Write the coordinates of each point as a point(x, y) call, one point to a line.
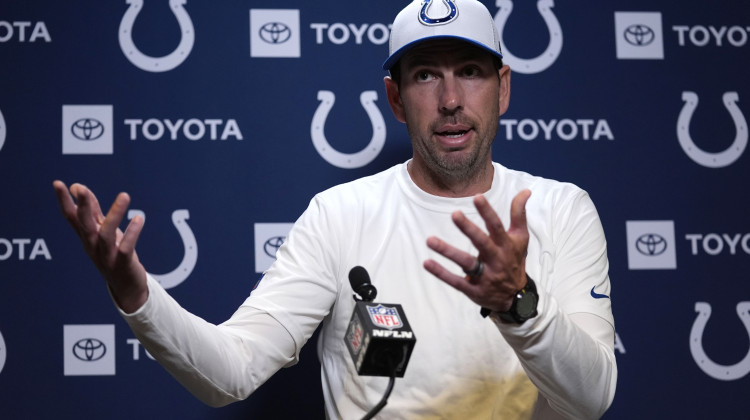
point(452, 134)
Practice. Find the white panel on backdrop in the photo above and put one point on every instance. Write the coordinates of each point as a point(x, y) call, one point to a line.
point(639, 35)
point(651, 245)
point(268, 239)
point(89, 350)
point(274, 33)
point(87, 129)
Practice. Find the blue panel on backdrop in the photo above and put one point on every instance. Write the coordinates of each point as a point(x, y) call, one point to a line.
point(223, 119)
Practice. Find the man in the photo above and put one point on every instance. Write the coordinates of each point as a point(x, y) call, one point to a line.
point(544, 351)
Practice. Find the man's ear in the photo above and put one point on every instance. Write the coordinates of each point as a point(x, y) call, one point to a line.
point(504, 93)
point(394, 99)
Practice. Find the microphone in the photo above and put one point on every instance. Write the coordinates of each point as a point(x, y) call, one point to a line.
point(379, 337)
point(359, 279)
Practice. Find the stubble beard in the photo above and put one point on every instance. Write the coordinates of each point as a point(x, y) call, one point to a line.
point(453, 167)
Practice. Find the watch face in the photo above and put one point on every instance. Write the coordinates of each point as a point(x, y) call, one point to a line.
point(526, 305)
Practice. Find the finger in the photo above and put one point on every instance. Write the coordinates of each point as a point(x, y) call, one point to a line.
point(492, 221)
point(464, 260)
point(457, 282)
point(98, 215)
point(518, 212)
point(108, 230)
point(88, 209)
point(481, 241)
point(475, 273)
point(65, 200)
point(132, 233)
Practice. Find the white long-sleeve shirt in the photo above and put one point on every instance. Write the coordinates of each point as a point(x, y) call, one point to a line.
point(559, 364)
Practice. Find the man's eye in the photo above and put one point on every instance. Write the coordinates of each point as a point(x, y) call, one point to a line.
point(423, 76)
point(471, 72)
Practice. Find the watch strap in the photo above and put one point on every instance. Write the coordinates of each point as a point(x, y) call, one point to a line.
point(511, 315)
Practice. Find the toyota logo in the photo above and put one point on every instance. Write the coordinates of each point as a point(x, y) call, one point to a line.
point(272, 245)
point(89, 349)
point(651, 244)
point(275, 33)
point(87, 129)
point(639, 35)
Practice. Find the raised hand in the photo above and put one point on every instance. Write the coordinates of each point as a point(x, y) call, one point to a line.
point(111, 249)
point(502, 254)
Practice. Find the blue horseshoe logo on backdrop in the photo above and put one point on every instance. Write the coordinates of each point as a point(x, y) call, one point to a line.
point(452, 13)
point(712, 160)
point(156, 64)
point(333, 156)
point(2, 130)
point(711, 368)
point(179, 274)
point(549, 56)
point(2, 352)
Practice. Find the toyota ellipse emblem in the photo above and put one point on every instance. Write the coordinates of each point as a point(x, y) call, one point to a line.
point(89, 349)
point(272, 245)
point(639, 35)
point(275, 33)
point(87, 129)
point(651, 244)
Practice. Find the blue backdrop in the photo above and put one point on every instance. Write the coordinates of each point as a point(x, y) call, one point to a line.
point(223, 119)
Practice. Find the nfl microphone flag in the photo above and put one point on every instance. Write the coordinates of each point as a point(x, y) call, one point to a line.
point(379, 339)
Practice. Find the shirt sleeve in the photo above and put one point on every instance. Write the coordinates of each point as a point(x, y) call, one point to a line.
point(219, 364)
point(224, 363)
point(568, 349)
point(569, 358)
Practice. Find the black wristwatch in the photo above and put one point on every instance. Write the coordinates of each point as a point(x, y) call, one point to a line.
point(524, 305)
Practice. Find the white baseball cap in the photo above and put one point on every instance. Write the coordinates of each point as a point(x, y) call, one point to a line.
point(421, 20)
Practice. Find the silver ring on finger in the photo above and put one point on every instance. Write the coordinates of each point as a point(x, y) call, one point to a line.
point(476, 271)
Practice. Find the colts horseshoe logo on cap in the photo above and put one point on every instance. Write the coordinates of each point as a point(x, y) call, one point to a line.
point(333, 156)
point(156, 64)
point(549, 56)
point(179, 274)
point(449, 16)
point(699, 156)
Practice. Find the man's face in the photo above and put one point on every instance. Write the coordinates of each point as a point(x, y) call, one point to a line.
point(450, 99)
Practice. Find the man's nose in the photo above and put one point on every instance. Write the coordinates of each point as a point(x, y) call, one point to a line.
point(451, 98)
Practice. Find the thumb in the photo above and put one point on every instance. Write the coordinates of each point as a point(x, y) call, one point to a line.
point(518, 211)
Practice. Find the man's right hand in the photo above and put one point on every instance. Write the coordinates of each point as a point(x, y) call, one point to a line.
point(111, 249)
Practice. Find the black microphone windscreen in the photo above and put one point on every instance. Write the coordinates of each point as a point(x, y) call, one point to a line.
point(360, 282)
point(358, 276)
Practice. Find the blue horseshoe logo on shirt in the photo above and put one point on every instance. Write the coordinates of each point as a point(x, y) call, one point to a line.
point(452, 13)
point(179, 274)
point(156, 64)
point(549, 56)
point(711, 368)
point(703, 158)
point(346, 160)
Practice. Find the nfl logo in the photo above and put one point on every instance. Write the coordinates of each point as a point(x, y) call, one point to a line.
point(384, 316)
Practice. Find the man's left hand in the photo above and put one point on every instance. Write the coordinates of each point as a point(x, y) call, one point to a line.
point(502, 254)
